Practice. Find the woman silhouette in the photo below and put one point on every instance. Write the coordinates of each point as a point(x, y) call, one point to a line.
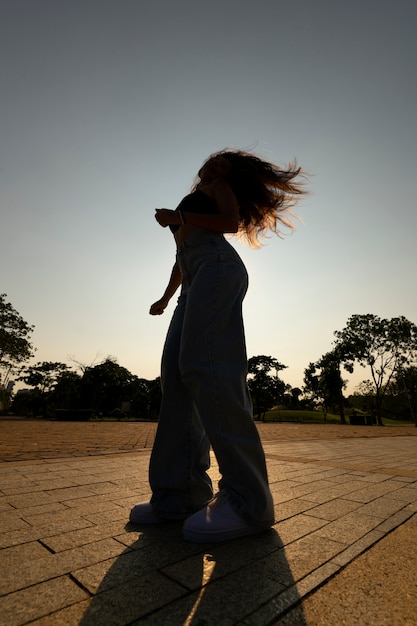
point(205, 400)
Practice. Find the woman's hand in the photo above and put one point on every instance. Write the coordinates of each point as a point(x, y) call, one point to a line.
point(175, 279)
point(158, 307)
point(166, 217)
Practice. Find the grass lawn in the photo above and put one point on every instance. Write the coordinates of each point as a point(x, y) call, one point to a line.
point(316, 417)
point(306, 417)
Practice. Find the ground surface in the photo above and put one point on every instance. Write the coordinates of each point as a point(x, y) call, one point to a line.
point(342, 551)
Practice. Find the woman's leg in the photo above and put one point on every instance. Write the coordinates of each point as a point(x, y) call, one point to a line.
point(213, 365)
point(180, 455)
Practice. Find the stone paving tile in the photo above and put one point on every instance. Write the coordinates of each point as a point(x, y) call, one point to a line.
point(91, 503)
point(33, 488)
point(349, 528)
point(310, 552)
point(137, 597)
point(69, 616)
point(215, 562)
point(109, 573)
point(268, 612)
point(83, 536)
point(382, 507)
point(298, 526)
point(10, 521)
point(5, 507)
point(53, 565)
point(26, 605)
point(49, 519)
point(32, 511)
point(335, 491)
point(319, 491)
point(370, 478)
point(20, 500)
point(110, 488)
point(227, 598)
point(285, 510)
point(43, 497)
point(69, 493)
point(333, 509)
point(406, 479)
point(407, 494)
point(24, 553)
point(29, 533)
point(395, 520)
point(108, 515)
point(374, 491)
point(357, 548)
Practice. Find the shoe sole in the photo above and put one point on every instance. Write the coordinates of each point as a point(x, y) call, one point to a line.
point(152, 520)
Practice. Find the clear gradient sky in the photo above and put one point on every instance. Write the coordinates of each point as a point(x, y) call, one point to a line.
point(108, 108)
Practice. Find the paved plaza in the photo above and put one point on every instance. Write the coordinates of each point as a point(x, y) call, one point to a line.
point(342, 550)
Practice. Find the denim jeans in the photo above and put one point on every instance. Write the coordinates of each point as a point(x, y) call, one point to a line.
point(205, 399)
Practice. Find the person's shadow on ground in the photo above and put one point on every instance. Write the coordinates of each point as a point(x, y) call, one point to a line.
point(161, 579)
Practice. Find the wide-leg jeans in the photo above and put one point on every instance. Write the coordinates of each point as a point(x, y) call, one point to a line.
point(205, 399)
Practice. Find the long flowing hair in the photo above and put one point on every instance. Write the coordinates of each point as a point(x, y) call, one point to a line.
point(265, 192)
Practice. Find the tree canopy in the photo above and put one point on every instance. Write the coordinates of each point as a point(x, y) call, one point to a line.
point(265, 388)
point(384, 345)
point(105, 388)
point(15, 345)
point(43, 376)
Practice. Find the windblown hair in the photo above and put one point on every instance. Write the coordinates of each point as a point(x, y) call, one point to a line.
point(265, 192)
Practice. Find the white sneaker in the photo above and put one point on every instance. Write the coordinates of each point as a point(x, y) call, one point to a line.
point(144, 513)
point(217, 522)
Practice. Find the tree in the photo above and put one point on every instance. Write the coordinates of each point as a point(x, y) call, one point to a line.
point(43, 375)
point(15, 346)
point(145, 397)
point(44, 378)
point(312, 383)
point(264, 388)
point(105, 386)
point(384, 345)
point(66, 391)
point(295, 393)
point(405, 387)
point(324, 383)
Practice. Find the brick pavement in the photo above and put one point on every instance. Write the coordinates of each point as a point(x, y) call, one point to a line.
point(35, 439)
point(68, 557)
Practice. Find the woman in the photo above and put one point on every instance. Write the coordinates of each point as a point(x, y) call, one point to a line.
point(205, 400)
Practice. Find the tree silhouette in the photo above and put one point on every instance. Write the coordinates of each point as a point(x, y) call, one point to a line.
point(384, 345)
point(323, 382)
point(265, 389)
point(43, 377)
point(15, 346)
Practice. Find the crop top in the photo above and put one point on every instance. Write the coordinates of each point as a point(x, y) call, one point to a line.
point(196, 202)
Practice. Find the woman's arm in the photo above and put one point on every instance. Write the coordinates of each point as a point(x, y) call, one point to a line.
point(174, 282)
point(226, 221)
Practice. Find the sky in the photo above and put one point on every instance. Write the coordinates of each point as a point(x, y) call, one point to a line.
point(108, 109)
